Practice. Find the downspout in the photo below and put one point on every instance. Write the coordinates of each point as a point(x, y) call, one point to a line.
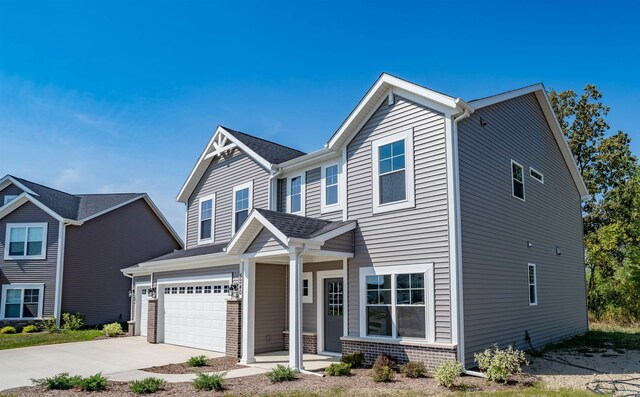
point(57, 306)
point(275, 172)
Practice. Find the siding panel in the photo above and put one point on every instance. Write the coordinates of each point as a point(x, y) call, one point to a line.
point(313, 197)
point(271, 305)
point(265, 242)
point(11, 190)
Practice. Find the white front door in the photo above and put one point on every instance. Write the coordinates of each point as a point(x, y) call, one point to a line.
point(195, 315)
point(143, 310)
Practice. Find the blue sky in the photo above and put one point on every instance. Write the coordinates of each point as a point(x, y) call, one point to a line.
point(123, 96)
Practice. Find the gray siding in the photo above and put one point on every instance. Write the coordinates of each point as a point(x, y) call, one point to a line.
point(32, 271)
point(96, 251)
point(497, 226)
point(410, 236)
point(232, 169)
point(342, 243)
point(11, 190)
point(265, 242)
point(234, 270)
point(271, 305)
point(309, 310)
point(282, 195)
point(313, 197)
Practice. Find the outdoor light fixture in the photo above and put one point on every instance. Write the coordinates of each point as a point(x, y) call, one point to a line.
point(151, 292)
point(529, 244)
point(558, 250)
point(130, 294)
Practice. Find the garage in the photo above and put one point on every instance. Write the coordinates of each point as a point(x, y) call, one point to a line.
point(194, 314)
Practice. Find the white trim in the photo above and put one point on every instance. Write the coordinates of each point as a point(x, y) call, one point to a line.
point(248, 311)
point(192, 262)
point(345, 289)
point(513, 179)
point(22, 286)
point(218, 278)
point(324, 207)
point(302, 193)
point(138, 305)
point(321, 276)
point(343, 199)
point(57, 305)
point(533, 170)
point(535, 284)
point(8, 198)
point(427, 269)
point(8, 180)
point(409, 202)
point(247, 185)
point(211, 239)
point(26, 226)
point(23, 198)
point(308, 276)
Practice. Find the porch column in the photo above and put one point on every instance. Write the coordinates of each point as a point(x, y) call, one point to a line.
point(295, 311)
point(248, 310)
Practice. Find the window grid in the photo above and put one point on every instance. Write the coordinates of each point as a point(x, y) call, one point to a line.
point(207, 289)
point(517, 180)
point(335, 298)
point(26, 241)
point(331, 185)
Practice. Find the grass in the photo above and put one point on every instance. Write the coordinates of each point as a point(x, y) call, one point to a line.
point(45, 338)
point(600, 338)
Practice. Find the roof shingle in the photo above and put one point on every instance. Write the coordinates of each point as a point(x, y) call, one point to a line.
point(273, 152)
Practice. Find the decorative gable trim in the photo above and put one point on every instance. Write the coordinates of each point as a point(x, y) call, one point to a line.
point(9, 180)
point(23, 198)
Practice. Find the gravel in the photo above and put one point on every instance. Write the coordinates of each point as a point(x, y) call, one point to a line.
point(213, 365)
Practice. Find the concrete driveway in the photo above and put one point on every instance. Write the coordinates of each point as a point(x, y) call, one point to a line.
point(108, 356)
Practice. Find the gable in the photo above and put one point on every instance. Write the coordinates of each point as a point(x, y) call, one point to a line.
point(11, 190)
point(265, 241)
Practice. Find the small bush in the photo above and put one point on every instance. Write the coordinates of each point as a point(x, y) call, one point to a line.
point(281, 374)
point(413, 369)
point(72, 322)
point(338, 369)
point(58, 382)
point(354, 359)
point(197, 361)
point(448, 372)
point(95, 382)
point(50, 324)
point(7, 330)
point(383, 369)
point(146, 385)
point(29, 329)
point(385, 361)
point(112, 329)
point(498, 364)
point(214, 381)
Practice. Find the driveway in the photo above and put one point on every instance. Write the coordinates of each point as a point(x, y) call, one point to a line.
point(108, 356)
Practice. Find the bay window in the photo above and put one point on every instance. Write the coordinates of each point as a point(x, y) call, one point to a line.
point(26, 241)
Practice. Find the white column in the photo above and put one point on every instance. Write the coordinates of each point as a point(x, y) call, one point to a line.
point(295, 311)
point(248, 310)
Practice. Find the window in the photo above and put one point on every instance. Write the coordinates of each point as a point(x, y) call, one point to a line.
point(533, 290)
point(536, 175)
point(330, 188)
point(205, 226)
point(174, 290)
point(21, 301)
point(242, 204)
point(226, 289)
point(26, 241)
point(296, 195)
point(217, 289)
point(379, 305)
point(393, 181)
point(207, 289)
point(189, 290)
point(8, 198)
point(307, 287)
point(199, 290)
point(517, 180)
point(410, 311)
point(181, 290)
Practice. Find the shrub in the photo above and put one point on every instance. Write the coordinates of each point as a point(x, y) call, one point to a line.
point(338, 369)
point(72, 322)
point(413, 369)
point(354, 359)
point(29, 329)
point(383, 369)
point(499, 364)
point(281, 374)
point(95, 382)
point(58, 382)
point(197, 361)
point(214, 381)
point(146, 385)
point(50, 324)
point(448, 372)
point(7, 330)
point(112, 329)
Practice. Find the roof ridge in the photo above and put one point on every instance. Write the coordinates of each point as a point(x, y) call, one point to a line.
point(263, 139)
point(105, 194)
point(41, 185)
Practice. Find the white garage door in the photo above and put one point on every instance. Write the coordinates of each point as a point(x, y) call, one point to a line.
point(143, 309)
point(195, 315)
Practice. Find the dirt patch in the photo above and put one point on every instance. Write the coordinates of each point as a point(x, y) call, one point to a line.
point(218, 364)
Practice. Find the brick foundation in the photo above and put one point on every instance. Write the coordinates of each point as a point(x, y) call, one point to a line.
point(233, 342)
point(402, 352)
point(309, 342)
point(152, 321)
point(131, 328)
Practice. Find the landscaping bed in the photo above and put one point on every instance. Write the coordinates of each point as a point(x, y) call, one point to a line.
point(219, 364)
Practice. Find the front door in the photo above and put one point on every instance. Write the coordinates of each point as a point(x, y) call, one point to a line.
point(333, 324)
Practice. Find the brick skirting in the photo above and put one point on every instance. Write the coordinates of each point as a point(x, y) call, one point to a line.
point(233, 341)
point(152, 321)
point(402, 353)
point(309, 342)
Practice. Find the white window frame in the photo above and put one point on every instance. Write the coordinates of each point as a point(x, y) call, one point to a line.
point(302, 193)
point(409, 202)
point(535, 284)
point(524, 192)
point(8, 198)
point(324, 207)
point(532, 170)
point(309, 277)
point(248, 185)
point(211, 197)
point(3, 301)
point(427, 270)
point(25, 257)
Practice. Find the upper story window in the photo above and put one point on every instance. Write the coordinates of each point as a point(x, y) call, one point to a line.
point(296, 195)
point(330, 193)
point(26, 241)
point(536, 175)
point(8, 198)
point(242, 204)
point(533, 288)
point(206, 219)
point(393, 172)
point(517, 180)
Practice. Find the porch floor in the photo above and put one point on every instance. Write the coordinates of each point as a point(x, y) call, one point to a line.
point(311, 362)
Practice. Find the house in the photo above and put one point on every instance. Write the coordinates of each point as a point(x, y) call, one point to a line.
point(62, 253)
point(427, 228)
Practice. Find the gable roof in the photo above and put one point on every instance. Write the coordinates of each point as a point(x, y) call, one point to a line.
point(273, 152)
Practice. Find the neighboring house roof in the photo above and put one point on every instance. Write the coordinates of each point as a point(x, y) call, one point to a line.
point(203, 256)
point(187, 253)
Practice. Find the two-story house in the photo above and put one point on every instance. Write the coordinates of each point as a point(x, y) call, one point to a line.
point(62, 253)
point(427, 228)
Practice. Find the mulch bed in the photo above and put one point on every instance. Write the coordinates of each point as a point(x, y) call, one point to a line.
point(213, 365)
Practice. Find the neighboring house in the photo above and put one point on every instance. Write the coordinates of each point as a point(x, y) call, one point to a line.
point(427, 228)
point(62, 253)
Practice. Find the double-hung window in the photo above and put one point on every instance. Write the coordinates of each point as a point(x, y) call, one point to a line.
point(330, 188)
point(517, 180)
point(533, 288)
point(21, 301)
point(206, 210)
point(307, 287)
point(8, 198)
point(296, 195)
point(26, 241)
point(393, 184)
point(242, 204)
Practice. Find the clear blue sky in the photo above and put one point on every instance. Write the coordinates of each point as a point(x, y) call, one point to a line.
point(123, 96)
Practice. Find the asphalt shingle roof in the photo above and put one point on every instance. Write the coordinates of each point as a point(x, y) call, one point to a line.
point(273, 152)
point(186, 253)
point(297, 226)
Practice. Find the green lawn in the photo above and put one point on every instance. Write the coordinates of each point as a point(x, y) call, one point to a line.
point(44, 338)
point(601, 337)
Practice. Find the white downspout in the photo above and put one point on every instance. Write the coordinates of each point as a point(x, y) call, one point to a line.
point(57, 305)
point(273, 190)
